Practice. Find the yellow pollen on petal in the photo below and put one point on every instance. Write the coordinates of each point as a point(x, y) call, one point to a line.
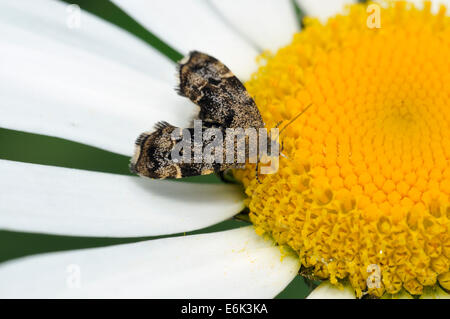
point(363, 194)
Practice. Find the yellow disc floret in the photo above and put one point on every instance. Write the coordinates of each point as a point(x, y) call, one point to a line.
point(363, 192)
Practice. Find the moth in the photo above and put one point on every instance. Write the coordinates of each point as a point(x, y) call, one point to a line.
point(225, 107)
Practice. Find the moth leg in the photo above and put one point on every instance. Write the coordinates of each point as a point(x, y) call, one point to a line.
point(281, 151)
point(224, 176)
point(256, 172)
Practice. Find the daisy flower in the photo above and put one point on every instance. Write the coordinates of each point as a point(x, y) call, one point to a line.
point(360, 202)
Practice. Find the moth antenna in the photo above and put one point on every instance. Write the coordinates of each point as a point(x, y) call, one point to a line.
point(286, 126)
point(295, 118)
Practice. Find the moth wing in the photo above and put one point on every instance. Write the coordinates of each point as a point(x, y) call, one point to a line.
point(153, 154)
point(222, 98)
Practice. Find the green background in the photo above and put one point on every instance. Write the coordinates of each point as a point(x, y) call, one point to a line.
point(32, 148)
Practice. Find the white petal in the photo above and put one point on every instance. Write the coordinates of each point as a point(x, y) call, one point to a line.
point(329, 291)
point(58, 87)
point(56, 21)
point(231, 264)
point(268, 23)
point(47, 199)
point(193, 25)
point(323, 9)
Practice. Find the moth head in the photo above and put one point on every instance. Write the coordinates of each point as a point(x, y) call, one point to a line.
point(152, 157)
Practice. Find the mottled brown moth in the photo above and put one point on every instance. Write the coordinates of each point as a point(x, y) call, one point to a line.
point(226, 110)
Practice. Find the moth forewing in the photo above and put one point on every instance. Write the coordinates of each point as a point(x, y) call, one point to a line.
point(225, 135)
point(222, 98)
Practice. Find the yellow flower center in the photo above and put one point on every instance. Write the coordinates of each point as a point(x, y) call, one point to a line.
point(363, 193)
